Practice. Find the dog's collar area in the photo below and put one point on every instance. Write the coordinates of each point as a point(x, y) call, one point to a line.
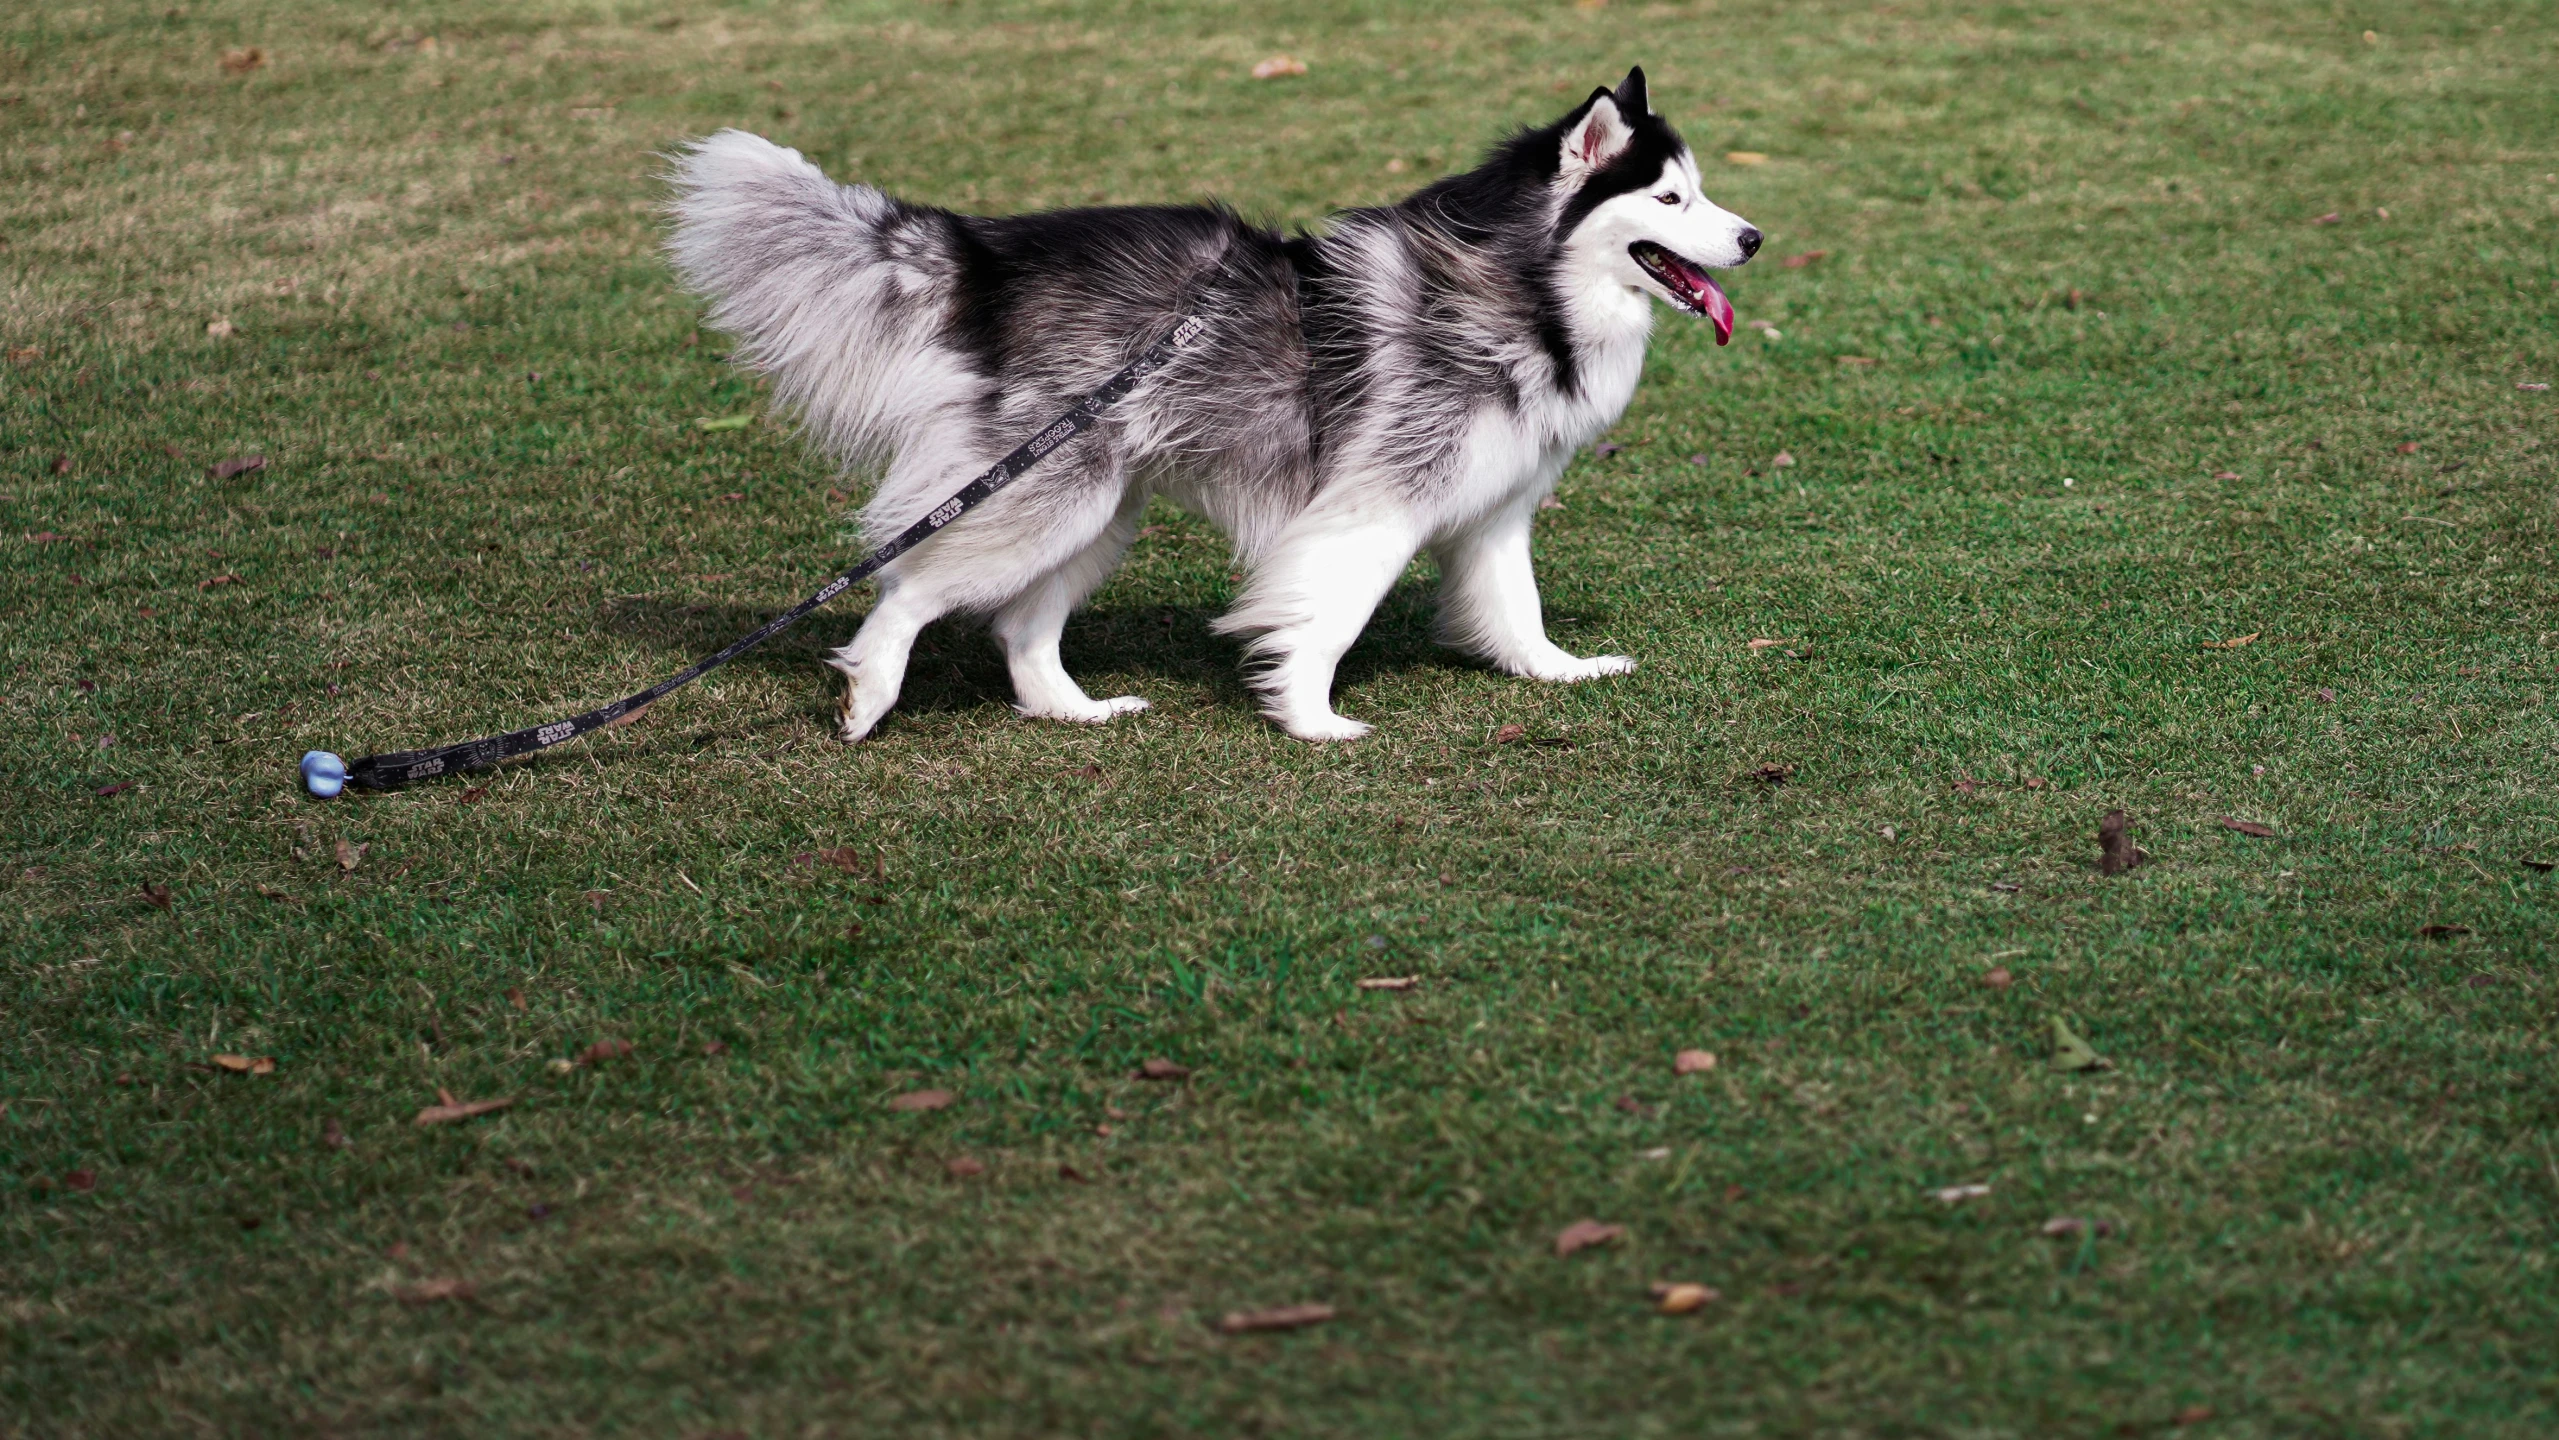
point(1688, 284)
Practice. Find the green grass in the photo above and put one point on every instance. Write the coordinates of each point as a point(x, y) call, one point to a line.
point(2075, 241)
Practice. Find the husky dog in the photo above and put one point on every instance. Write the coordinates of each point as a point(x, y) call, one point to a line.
point(1413, 377)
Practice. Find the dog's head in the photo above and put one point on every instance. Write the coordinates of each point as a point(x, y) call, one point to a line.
point(1633, 211)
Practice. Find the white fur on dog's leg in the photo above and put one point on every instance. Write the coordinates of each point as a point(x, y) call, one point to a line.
point(1309, 598)
point(1489, 605)
point(874, 665)
point(1030, 625)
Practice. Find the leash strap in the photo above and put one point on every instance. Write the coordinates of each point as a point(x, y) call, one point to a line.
point(396, 768)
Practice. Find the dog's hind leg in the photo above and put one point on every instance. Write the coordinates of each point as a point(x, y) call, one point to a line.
point(874, 665)
point(1029, 626)
point(1310, 596)
point(1488, 602)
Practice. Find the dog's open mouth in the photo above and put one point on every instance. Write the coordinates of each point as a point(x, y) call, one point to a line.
point(1688, 284)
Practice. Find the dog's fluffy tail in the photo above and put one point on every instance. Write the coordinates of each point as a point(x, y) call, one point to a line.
point(837, 292)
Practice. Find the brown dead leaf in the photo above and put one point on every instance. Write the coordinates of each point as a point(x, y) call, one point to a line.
point(282, 896)
point(1769, 644)
point(1508, 734)
point(966, 1167)
point(349, 856)
point(1859, 361)
point(2192, 1415)
point(1583, 1234)
point(1772, 774)
point(238, 466)
point(1279, 66)
point(1629, 1105)
point(241, 62)
point(715, 1047)
point(236, 1064)
point(2115, 851)
point(82, 1181)
point(1161, 1069)
point(1999, 978)
point(515, 997)
point(1284, 1317)
point(1390, 982)
point(1072, 1175)
point(476, 792)
point(1745, 157)
point(2075, 1224)
point(1692, 1062)
point(157, 895)
point(2248, 827)
point(334, 1136)
point(2331, 218)
point(1809, 257)
point(453, 1109)
point(61, 465)
point(2441, 931)
point(1682, 1297)
point(923, 1100)
point(213, 582)
point(2542, 867)
point(2234, 642)
point(603, 1050)
point(2408, 447)
point(428, 1292)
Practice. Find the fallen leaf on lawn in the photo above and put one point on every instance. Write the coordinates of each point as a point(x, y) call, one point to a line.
point(334, 1136)
point(1628, 1104)
point(1859, 360)
point(349, 856)
point(1682, 1297)
point(2234, 642)
point(428, 1292)
point(2544, 866)
point(2248, 827)
point(603, 1050)
point(1504, 735)
point(453, 1109)
point(1072, 1175)
point(966, 1167)
point(1692, 1062)
point(922, 1100)
point(2191, 1415)
point(2331, 218)
point(1284, 1317)
point(1798, 262)
point(1957, 1194)
point(1390, 982)
point(2408, 447)
point(2115, 851)
point(220, 329)
point(1744, 157)
point(1161, 1069)
point(724, 422)
point(241, 1065)
point(1278, 66)
point(217, 580)
point(1966, 785)
point(281, 896)
point(1999, 978)
point(2073, 1225)
point(2327, 694)
point(25, 354)
point(474, 793)
point(1773, 774)
point(238, 466)
point(1583, 1234)
point(158, 895)
point(117, 788)
point(2442, 932)
point(45, 537)
point(241, 62)
point(83, 1181)
point(61, 465)
point(1766, 644)
point(2072, 1053)
point(715, 1047)
point(515, 997)
point(1086, 772)
point(1606, 448)
point(2532, 385)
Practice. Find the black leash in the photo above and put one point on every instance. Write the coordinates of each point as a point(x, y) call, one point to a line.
point(399, 767)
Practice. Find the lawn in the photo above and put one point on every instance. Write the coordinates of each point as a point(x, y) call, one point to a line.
point(2155, 430)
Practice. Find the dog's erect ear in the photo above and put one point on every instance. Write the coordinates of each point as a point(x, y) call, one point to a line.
point(1599, 136)
point(1631, 99)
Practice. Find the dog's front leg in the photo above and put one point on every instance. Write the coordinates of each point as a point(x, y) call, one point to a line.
point(1309, 598)
point(1488, 602)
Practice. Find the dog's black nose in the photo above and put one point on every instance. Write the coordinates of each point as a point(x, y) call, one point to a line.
point(1750, 242)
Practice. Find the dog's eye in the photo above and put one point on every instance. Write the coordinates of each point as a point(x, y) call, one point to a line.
point(1668, 197)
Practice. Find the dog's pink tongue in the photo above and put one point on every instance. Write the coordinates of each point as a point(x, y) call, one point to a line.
point(1719, 310)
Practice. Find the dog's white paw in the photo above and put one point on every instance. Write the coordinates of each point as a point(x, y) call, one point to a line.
point(1566, 669)
point(1091, 712)
point(1326, 726)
